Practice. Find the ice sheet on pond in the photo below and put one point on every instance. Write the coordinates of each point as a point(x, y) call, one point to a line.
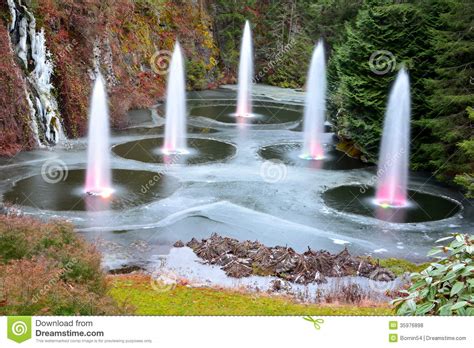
point(244, 198)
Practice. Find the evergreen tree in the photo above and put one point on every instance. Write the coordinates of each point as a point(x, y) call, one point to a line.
point(294, 27)
point(327, 18)
point(384, 37)
point(284, 34)
point(284, 48)
point(229, 20)
point(450, 150)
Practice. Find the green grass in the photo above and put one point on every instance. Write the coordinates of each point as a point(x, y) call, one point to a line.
point(136, 291)
point(400, 266)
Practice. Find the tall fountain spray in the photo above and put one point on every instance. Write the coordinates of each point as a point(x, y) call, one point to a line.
point(315, 106)
point(395, 148)
point(98, 176)
point(175, 128)
point(244, 97)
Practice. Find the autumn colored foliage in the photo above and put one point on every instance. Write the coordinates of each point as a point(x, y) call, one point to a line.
point(15, 134)
point(47, 269)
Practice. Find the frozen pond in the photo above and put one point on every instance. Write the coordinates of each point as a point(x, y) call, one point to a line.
point(236, 191)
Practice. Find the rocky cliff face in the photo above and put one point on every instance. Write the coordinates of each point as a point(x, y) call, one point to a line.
point(15, 113)
point(51, 49)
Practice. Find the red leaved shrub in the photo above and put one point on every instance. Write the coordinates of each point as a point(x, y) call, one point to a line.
point(47, 269)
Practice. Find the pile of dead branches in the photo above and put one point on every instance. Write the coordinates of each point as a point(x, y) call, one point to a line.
point(242, 259)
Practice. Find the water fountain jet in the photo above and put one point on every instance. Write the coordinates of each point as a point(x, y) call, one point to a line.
point(315, 106)
point(244, 95)
point(175, 127)
point(98, 175)
point(395, 147)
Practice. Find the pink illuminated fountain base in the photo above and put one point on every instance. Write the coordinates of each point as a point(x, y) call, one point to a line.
point(315, 151)
point(391, 195)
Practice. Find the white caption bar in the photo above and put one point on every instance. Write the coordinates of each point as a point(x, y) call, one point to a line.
point(238, 331)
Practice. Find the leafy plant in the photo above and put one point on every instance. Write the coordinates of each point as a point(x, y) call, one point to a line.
point(196, 75)
point(445, 287)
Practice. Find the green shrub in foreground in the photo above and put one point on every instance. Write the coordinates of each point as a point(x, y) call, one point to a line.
point(47, 269)
point(445, 287)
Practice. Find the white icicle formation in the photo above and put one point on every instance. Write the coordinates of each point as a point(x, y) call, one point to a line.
point(30, 48)
point(33, 123)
